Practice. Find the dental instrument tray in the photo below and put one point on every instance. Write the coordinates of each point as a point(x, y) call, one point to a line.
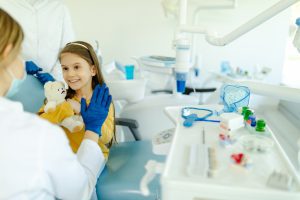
point(160, 61)
point(253, 167)
point(157, 64)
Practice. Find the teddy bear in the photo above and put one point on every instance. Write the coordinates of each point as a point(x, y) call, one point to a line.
point(57, 110)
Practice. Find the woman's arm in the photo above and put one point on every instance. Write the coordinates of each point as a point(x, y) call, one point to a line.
point(72, 176)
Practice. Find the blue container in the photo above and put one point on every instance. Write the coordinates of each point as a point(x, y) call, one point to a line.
point(180, 81)
point(129, 72)
point(180, 86)
point(234, 97)
point(225, 67)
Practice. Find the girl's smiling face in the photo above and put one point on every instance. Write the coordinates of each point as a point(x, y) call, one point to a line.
point(76, 71)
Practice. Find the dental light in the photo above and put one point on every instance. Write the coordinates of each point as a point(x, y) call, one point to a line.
point(251, 24)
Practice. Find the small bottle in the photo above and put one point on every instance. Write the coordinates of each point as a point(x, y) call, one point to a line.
point(260, 127)
point(248, 112)
point(197, 65)
point(244, 110)
point(225, 67)
point(296, 41)
point(252, 124)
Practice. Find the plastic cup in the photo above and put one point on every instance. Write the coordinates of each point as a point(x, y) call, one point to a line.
point(129, 72)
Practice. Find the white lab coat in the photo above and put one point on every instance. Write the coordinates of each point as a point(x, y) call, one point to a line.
point(47, 27)
point(36, 161)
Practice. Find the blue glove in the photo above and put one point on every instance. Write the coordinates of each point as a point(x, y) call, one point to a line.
point(95, 114)
point(32, 68)
point(44, 77)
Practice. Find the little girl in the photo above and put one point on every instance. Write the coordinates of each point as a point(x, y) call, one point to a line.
point(81, 71)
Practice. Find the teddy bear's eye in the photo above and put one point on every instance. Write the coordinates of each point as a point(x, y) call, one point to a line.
point(57, 89)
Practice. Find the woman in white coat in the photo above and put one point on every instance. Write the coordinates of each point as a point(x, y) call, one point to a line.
point(36, 161)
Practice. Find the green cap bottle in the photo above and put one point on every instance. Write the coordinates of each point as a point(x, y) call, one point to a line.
point(260, 125)
point(244, 109)
point(247, 114)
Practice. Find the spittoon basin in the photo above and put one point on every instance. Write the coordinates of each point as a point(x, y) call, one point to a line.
point(129, 90)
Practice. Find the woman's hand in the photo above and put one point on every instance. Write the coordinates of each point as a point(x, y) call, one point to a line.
point(32, 68)
point(44, 77)
point(95, 114)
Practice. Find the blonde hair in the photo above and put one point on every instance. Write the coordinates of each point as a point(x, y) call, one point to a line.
point(11, 34)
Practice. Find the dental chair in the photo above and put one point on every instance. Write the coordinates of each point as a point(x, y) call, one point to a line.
point(124, 170)
point(31, 94)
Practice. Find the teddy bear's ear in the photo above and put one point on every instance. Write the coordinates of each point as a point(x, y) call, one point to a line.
point(61, 83)
point(48, 85)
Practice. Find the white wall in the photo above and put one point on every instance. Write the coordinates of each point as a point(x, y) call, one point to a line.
point(128, 28)
point(124, 28)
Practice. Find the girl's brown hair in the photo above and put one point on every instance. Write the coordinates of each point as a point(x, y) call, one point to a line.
point(11, 34)
point(86, 52)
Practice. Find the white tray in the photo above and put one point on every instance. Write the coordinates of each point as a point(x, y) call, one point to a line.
point(232, 181)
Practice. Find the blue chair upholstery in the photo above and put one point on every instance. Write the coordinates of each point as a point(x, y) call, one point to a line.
point(31, 94)
point(124, 170)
